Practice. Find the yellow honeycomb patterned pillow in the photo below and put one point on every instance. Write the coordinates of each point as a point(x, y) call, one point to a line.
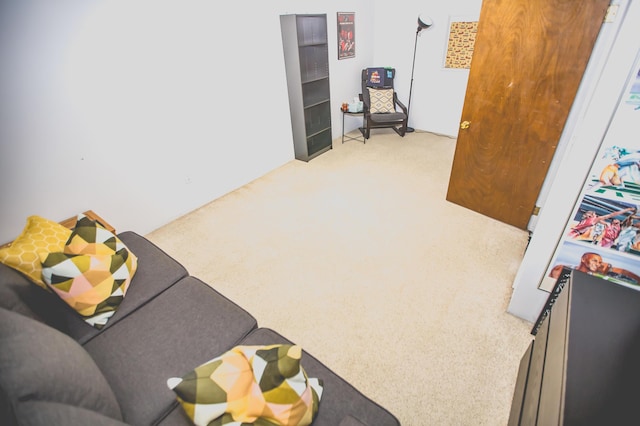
point(39, 236)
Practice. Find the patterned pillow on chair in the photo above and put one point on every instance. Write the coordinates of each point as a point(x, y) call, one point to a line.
point(93, 272)
point(250, 384)
point(381, 101)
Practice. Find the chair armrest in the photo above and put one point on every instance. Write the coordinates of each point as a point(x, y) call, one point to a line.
point(400, 104)
point(365, 105)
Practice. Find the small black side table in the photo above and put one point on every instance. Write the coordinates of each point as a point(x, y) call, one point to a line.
point(351, 138)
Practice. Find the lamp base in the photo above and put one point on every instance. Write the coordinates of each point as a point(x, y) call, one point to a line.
point(410, 130)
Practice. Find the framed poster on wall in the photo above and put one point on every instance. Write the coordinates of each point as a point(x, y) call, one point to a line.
point(346, 35)
point(602, 236)
point(460, 43)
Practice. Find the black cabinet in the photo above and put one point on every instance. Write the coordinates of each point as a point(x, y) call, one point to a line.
point(583, 367)
point(306, 54)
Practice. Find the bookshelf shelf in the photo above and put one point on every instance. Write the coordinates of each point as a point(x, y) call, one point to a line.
point(306, 52)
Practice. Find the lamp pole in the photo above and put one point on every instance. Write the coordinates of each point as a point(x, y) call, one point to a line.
point(422, 24)
point(413, 66)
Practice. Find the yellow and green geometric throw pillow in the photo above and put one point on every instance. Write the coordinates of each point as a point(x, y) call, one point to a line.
point(89, 237)
point(261, 385)
point(92, 273)
point(39, 236)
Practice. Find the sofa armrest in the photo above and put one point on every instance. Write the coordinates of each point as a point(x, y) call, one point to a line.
point(341, 404)
point(71, 222)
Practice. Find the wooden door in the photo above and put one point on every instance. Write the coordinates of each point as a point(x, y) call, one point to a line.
point(528, 61)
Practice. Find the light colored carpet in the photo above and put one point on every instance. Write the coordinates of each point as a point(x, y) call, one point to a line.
point(357, 257)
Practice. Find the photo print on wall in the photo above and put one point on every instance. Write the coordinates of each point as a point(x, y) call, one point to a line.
point(346, 35)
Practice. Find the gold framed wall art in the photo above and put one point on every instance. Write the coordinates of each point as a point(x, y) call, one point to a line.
point(460, 43)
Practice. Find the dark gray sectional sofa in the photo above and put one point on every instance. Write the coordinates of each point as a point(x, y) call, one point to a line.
point(55, 369)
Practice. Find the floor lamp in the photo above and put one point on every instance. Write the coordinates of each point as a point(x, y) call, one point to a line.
point(423, 24)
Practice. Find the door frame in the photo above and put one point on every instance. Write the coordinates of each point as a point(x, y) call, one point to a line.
point(606, 78)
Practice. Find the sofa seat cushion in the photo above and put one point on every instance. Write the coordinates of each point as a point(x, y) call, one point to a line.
point(39, 363)
point(187, 325)
point(156, 272)
point(340, 400)
point(176, 417)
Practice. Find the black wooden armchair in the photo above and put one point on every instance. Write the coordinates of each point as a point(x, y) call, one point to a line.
point(381, 107)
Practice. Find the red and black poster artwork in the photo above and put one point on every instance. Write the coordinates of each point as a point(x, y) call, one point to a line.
point(346, 35)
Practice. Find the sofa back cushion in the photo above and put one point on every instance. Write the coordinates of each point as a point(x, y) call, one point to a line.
point(44, 413)
point(15, 290)
point(19, 294)
point(39, 363)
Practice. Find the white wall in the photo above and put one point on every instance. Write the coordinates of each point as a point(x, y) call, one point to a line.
point(139, 109)
point(438, 92)
point(121, 107)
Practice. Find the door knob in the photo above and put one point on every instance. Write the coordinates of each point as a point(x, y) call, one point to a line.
point(465, 125)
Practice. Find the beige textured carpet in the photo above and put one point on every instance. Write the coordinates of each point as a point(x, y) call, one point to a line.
point(357, 257)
